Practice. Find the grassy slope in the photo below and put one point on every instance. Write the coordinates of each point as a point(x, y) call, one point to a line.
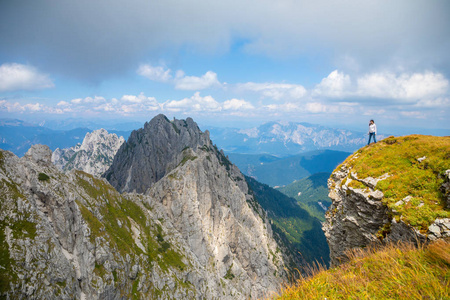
point(312, 190)
point(397, 156)
point(395, 272)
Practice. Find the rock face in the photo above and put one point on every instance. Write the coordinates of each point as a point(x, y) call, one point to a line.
point(151, 152)
point(362, 214)
point(197, 233)
point(94, 155)
point(206, 198)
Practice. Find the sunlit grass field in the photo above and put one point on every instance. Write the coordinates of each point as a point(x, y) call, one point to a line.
point(397, 271)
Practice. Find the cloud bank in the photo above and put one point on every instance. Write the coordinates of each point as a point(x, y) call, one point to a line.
point(16, 77)
point(97, 39)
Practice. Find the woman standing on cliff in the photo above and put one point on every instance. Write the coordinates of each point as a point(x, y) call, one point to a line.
point(372, 131)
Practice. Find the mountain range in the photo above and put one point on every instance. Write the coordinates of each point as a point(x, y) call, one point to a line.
point(280, 139)
point(18, 136)
point(176, 219)
point(287, 138)
point(173, 217)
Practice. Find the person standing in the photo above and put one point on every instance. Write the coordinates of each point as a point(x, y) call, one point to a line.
point(372, 131)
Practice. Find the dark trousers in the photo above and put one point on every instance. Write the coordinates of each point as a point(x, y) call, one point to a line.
point(372, 134)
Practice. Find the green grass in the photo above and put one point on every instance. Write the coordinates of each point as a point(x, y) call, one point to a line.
point(7, 273)
point(43, 177)
point(229, 274)
point(23, 228)
point(394, 272)
point(397, 156)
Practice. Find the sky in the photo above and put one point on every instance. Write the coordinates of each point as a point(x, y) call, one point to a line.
point(228, 63)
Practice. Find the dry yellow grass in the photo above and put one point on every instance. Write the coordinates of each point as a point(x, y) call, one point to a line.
point(396, 271)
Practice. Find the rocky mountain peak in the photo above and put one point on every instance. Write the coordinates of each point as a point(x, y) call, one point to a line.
point(93, 156)
point(98, 138)
point(151, 152)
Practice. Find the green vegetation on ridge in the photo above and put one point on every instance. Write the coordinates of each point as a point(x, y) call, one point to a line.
point(408, 176)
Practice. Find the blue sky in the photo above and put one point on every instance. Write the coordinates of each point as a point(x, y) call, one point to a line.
point(236, 63)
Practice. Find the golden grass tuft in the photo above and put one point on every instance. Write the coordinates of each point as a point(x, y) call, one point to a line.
point(395, 271)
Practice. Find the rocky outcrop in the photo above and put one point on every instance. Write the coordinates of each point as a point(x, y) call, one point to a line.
point(94, 156)
point(60, 157)
point(361, 214)
point(197, 233)
point(72, 236)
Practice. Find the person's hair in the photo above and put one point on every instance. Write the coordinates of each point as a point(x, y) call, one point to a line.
point(372, 121)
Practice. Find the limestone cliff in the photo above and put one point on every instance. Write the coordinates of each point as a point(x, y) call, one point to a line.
point(395, 190)
point(151, 152)
point(94, 156)
point(207, 200)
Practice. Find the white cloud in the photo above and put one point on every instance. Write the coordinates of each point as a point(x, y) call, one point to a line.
point(208, 80)
point(181, 81)
point(315, 107)
point(372, 112)
point(413, 114)
point(236, 104)
point(335, 85)
point(141, 98)
point(404, 86)
point(14, 77)
point(28, 107)
point(426, 89)
point(140, 103)
point(284, 107)
point(158, 73)
point(276, 91)
point(195, 103)
point(437, 102)
point(33, 107)
point(88, 100)
point(63, 103)
point(107, 107)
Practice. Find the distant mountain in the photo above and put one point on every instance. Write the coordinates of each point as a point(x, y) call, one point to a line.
point(311, 193)
point(94, 156)
point(17, 136)
point(282, 171)
point(72, 123)
point(287, 138)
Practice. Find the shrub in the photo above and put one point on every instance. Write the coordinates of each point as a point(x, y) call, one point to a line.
point(43, 177)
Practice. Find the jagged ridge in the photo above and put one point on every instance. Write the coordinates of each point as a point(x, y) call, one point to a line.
point(94, 156)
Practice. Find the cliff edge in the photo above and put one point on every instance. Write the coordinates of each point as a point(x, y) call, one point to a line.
point(395, 190)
